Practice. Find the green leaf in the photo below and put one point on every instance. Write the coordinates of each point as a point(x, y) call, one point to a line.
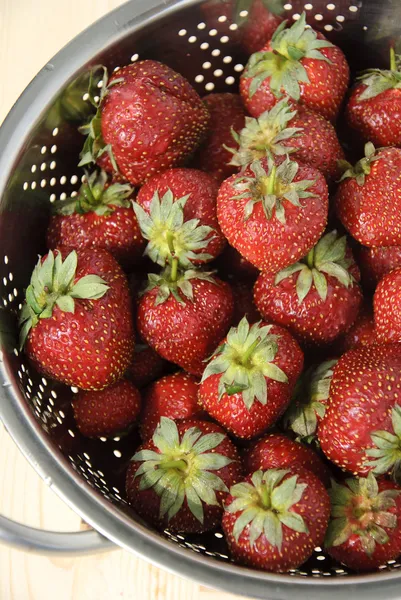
point(166, 437)
point(320, 283)
point(242, 521)
point(294, 521)
point(304, 284)
point(66, 304)
point(256, 528)
point(194, 503)
point(337, 532)
point(273, 530)
point(208, 442)
point(89, 287)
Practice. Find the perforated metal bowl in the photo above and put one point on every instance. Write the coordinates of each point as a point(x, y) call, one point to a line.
point(38, 155)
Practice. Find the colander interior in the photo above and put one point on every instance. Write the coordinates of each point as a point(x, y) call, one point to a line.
point(201, 42)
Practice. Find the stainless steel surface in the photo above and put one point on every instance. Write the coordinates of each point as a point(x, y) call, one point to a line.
point(38, 149)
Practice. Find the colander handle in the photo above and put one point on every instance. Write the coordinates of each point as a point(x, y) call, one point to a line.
point(30, 539)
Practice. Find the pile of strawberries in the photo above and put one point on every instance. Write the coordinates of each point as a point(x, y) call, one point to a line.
point(265, 378)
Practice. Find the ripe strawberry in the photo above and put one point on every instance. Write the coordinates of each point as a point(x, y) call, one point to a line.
point(375, 263)
point(235, 267)
point(317, 298)
point(374, 106)
point(108, 412)
point(173, 396)
point(184, 315)
point(76, 320)
point(368, 198)
point(100, 216)
point(146, 366)
point(274, 519)
point(273, 214)
point(243, 303)
point(149, 119)
point(181, 477)
point(362, 332)
point(365, 529)
point(200, 191)
point(226, 115)
point(360, 429)
point(277, 451)
point(260, 24)
point(285, 129)
point(248, 382)
point(301, 64)
point(387, 308)
point(309, 401)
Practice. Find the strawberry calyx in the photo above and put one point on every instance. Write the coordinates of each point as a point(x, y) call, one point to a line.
point(95, 196)
point(265, 503)
point(359, 509)
point(309, 400)
point(386, 454)
point(283, 63)
point(53, 283)
point(378, 81)
point(328, 257)
point(176, 282)
point(264, 135)
point(95, 146)
point(182, 469)
point(244, 362)
point(361, 168)
point(272, 188)
point(169, 235)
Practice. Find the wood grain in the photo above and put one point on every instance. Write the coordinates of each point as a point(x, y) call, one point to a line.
point(31, 32)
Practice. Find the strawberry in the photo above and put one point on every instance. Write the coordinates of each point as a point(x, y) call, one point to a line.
point(235, 267)
point(76, 320)
point(309, 401)
point(298, 63)
point(274, 519)
point(317, 298)
point(107, 412)
point(273, 214)
point(149, 119)
point(243, 303)
point(387, 308)
point(374, 106)
point(365, 529)
point(248, 382)
point(226, 115)
point(277, 451)
point(285, 129)
point(362, 332)
point(200, 191)
point(146, 366)
point(173, 396)
point(260, 24)
point(375, 263)
point(361, 428)
point(368, 198)
point(184, 315)
point(100, 216)
point(180, 478)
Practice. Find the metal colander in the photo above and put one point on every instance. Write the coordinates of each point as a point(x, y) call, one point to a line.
point(39, 145)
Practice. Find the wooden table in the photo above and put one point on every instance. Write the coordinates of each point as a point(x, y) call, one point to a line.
point(31, 31)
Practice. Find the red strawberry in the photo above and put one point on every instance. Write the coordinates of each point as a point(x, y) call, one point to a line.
point(233, 265)
point(173, 396)
point(387, 308)
point(273, 214)
point(260, 24)
point(277, 451)
point(243, 303)
point(108, 412)
point(318, 298)
point(100, 216)
point(375, 263)
point(362, 332)
point(181, 477)
point(374, 107)
point(77, 319)
point(146, 366)
point(226, 114)
point(248, 382)
point(201, 191)
point(368, 198)
point(149, 119)
point(360, 429)
point(309, 401)
point(290, 129)
point(301, 64)
point(365, 530)
point(274, 519)
point(184, 315)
